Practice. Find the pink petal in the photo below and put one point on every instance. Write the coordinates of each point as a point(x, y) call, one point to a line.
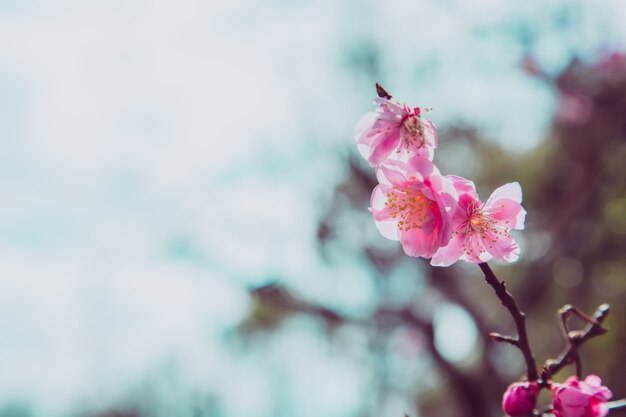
point(466, 201)
point(416, 242)
point(382, 148)
point(387, 226)
point(379, 198)
point(430, 224)
point(572, 399)
point(505, 206)
point(593, 380)
point(476, 248)
point(426, 152)
point(388, 229)
point(505, 248)
point(463, 186)
point(512, 191)
point(430, 133)
point(363, 129)
point(392, 172)
point(449, 254)
point(423, 166)
point(444, 189)
point(601, 409)
point(375, 133)
point(598, 390)
point(373, 130)
point(508, 212)
point(390, 105)
point(364, 151)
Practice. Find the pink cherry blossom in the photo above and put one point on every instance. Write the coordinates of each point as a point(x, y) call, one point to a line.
point(482, 231)
point(412, 203)
point(577, 398)
point(520, 398)
point(395, 131)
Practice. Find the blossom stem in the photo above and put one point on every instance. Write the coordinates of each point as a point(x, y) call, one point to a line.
point(519, 317)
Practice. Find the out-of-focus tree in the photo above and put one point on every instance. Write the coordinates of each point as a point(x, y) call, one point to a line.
point(573, 252)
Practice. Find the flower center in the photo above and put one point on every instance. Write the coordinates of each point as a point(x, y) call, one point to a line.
point(410, 207)
point(478, 223)
point(413, 131)
point(483, 223)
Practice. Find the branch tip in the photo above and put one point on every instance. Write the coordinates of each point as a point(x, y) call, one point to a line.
point(506, 339)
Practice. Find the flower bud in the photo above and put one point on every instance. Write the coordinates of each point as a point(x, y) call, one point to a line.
point(577, 398)
point(520, 398)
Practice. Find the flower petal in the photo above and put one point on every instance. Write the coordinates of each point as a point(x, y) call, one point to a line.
point(463, 186)
point(449, 254)
point(382, 148)
point(423, 166)
point(363, 131)
point(504, 248)
point(387, 225)
point(416, 242)
point(388, 229)
point(475, 251)
point(508, 212)
point(392, 172)
point(430, 132)
point(512, 191)
point(379, 198)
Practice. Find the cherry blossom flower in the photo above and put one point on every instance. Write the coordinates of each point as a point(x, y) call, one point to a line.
point(577, 398)
point(394, 130)
point(520, 398)
point(482, 231)
point(412, 204)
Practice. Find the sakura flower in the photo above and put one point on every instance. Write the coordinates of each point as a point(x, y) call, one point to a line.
point(577, 398)
point(520, 398)
point(412, 203)
point(482, 231)
point(394, 130)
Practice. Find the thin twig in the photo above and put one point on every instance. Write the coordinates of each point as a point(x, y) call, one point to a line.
point(506, 339)
point(568, 356)
point(519, 317)
point(564, 312)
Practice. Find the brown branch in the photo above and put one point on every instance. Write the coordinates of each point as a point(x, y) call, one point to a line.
point(569, 355)
point(564, 313)
point(506, 339)
point(519, 317)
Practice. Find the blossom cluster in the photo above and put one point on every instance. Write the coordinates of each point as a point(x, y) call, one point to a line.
point(574, 398)
point(434, 216)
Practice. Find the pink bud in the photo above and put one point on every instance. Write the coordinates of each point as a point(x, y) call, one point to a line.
point(520, 398)
point(577, 398)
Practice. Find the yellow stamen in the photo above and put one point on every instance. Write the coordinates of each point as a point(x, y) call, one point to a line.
point(410, 207)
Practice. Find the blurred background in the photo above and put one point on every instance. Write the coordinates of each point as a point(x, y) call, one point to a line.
point(183, 216)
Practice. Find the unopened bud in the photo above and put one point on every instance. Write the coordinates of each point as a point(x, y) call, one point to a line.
point(520, 398)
